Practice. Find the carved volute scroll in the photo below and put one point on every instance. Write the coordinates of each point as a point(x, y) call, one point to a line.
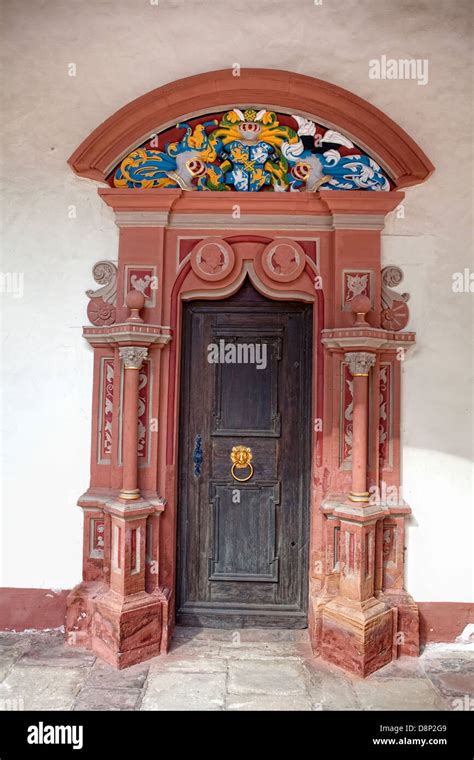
point(395, 312)
point(101, 307)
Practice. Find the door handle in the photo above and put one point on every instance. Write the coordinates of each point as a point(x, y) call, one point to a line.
point(241, 458)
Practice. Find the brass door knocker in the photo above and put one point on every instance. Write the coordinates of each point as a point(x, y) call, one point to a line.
point(241, 458)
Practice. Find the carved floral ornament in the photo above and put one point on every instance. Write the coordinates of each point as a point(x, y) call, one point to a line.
point(249, 151)
point(359, 362)
point(133, 356)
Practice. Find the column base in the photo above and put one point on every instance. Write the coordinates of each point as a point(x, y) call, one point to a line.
point(407, 622)
point(122, 630)
point(357, 636)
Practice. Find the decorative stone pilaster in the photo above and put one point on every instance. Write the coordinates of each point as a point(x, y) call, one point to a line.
point(360, 364)
point(370, 618)
point(357, 627)
point(127, 623)
point(116, 616)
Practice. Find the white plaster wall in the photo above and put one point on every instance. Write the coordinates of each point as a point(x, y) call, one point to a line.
point(124, 48)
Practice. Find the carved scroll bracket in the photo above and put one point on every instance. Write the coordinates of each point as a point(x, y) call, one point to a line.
point(101, 307)
point(395, 312)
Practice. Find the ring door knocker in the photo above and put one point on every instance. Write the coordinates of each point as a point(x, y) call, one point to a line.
point(241, 458)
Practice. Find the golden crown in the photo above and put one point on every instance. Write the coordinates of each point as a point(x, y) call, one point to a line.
point(250, 114)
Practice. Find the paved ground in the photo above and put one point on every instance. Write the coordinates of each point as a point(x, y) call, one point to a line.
point(223, 670)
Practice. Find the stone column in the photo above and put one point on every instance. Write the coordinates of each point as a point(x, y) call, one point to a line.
point(360, 364)
point(357, 628)
point(127, 622)
point(132, 357)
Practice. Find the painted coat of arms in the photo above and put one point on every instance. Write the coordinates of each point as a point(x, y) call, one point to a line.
point(250, 151)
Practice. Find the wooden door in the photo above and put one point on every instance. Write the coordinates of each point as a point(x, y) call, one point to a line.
point(246, 381)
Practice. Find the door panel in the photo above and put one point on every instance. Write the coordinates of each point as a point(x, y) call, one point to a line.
point(254, 417)
point(242, 546)
point(253, 559)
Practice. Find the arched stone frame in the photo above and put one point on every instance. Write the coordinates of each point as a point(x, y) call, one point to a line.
point(333, 106)
point(360, 615)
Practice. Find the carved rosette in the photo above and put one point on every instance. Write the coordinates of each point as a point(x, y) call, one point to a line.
point(395, 312)
point(359, 362)
point(133, 356)
point(101, 307)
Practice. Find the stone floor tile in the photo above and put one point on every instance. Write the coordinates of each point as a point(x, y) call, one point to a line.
point(8, 656)
point(51, 649)
point(43, 688)
point(260, 652)
point(404, 667)
point(184, 691)
point(6, 663)
point(188, 664)
point(399, 694)
point(12, 647)
point(108, 699)
point(267, 702)
point(254, 635)
point(454, 685)
point(201, 648)
point(105, 676)
point(280, 677)
point(329, 688)
point(203, 634)
point(10, 640)
point(273, 636)
point(436, 661)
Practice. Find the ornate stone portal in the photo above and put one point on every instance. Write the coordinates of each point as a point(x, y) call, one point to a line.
point(306, 235)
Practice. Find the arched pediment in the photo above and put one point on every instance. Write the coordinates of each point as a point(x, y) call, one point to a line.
point(330, 108)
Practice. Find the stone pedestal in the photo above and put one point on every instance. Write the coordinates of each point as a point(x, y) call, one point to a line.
point(406, 622)
point(127, 630)
point(357, 635)
point(357, 629)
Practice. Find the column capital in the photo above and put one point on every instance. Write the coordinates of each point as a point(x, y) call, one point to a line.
point(360, 362)
point(133, 356)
